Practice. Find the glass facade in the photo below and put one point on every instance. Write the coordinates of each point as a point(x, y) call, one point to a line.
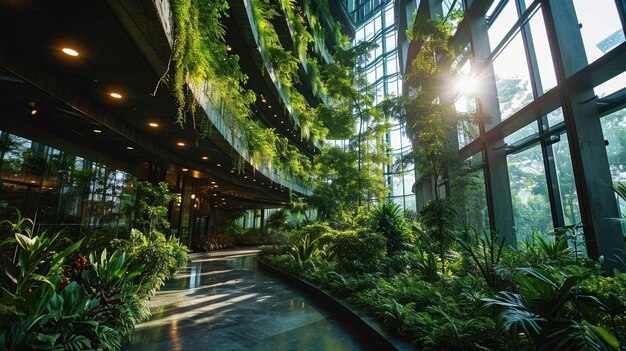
point(549, 149)
point(378, 25)
point(59, 188)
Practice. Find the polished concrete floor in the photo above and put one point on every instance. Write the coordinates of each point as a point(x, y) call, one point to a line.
point(222, 302)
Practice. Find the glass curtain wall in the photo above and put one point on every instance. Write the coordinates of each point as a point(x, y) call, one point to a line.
point(376, 23)
point(520, 62)
point(59, 188)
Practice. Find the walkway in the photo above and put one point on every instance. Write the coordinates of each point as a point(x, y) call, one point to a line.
point(222, 302)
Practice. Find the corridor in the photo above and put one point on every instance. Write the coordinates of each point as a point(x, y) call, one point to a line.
point(222, 302)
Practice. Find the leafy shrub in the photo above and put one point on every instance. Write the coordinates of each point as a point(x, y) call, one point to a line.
point(485, 251)
point(547, 309)
point(439, 220)
point(388, 220)
point(358, 251)
point(305, 248)
point(162, 256)
point(89, 303)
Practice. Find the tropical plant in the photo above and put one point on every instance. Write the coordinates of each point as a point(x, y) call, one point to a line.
point(554, 250)
point(485, 251)
point(439, 219)
point(547, 310)
point(304, 249)
point(388, 220)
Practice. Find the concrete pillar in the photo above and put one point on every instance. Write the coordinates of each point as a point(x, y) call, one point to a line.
point(500, 206)
point(586, 141)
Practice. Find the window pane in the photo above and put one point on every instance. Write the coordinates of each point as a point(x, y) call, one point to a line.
point(601, 27)
point(614, 130)
point(612, 85)
point(397, 185)
point(522, 133)
point(529, 191)
point(567, 186)
point(470, 194)
point(542, 51)
point(555, 117)
point(502, 24)
point(512, 78)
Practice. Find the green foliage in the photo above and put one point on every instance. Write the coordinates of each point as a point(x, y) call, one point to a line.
point(439, 219)
point(389, 222)
point(163, 257)
point(203, 63)
point(305, 248)
point(485, 252)
point(277, 220)
point(52, 299)
point(359, 251)
point(548, 310)
point(151, 205)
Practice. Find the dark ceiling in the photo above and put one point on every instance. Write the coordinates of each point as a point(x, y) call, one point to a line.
point(72, 96)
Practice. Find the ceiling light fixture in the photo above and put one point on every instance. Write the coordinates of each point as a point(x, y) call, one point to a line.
point(130, 148)
point(97, 131)
point(205, 157)
point(184, 169)
point(219, 165)
point(70, 52)
point(33, 110)
point(180, 143)
point(116, 95)
point(153, 124)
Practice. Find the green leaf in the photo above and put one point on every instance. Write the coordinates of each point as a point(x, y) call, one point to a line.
point(58, 258)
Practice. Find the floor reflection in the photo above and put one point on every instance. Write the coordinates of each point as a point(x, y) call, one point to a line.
point(221, 302)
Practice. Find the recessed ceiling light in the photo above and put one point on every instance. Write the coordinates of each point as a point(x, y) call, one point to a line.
point(130, 148)
point(281, 122)
point(223, 198)
point(116, 95)
point(205, 157)
point(215, 186)
point(254, 180)
point(180, 143)
point(33, 112)
point(214, 194)
point(219, 165)
point(97, 131)
point(70, 52)
point(245, 177)
point(232, 171)
point(275, 115)
point(184, 169)
point(270, 106)
point(212, 182)
point(153, 125)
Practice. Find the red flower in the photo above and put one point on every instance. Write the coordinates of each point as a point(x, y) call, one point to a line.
point(64, 282)
point(82, 263)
